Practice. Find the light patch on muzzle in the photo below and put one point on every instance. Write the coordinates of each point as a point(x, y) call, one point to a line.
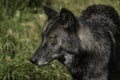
point(44, 59)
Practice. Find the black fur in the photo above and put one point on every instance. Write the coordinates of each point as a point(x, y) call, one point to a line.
point(88, 46)
point(104, 10)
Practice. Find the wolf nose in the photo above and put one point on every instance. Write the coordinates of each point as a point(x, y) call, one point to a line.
point(33, 60)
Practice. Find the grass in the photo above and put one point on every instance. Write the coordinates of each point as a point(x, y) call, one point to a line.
point(20, 28)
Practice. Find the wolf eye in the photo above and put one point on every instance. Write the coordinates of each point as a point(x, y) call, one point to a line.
point(52, 40)
point(51, 37)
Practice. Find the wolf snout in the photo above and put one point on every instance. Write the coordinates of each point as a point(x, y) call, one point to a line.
point(38, 62)
point(33, 60)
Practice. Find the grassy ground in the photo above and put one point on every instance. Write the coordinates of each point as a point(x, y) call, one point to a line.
point(20, 27)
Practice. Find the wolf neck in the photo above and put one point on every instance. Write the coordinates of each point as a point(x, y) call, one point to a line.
point(86, 65)
point(86, 38)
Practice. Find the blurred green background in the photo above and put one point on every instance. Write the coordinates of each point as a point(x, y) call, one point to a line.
point(21, 22)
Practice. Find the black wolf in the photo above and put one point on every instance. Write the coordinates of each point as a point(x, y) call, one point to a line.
point(87, 45)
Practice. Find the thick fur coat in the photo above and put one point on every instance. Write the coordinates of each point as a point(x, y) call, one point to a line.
point(87, 45)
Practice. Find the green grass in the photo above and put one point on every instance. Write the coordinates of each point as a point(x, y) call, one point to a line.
point(20, 29)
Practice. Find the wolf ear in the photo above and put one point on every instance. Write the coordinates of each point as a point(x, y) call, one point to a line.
point(49, 12)
point(67, 17)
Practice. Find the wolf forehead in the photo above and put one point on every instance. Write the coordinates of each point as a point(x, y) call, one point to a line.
point(51, 24)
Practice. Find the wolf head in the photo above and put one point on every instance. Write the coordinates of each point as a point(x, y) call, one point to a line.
point(59, 36)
